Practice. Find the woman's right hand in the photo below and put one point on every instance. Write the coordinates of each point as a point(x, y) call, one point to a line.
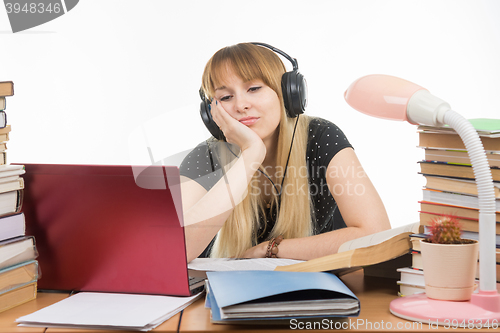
point(234, 131)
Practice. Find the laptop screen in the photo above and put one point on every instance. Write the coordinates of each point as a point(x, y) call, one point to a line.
point(102, 228)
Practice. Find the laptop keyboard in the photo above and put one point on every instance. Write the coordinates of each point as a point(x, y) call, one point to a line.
point(194, 280)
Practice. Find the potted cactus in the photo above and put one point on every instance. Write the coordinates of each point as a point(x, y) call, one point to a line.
point(449, 261)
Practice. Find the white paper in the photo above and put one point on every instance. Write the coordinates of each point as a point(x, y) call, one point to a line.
point(107, 310)
point(228, 264)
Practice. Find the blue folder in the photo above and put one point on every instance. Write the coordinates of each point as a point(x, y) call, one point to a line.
point(238, 287)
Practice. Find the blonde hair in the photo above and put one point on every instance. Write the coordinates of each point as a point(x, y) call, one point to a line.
point(240, 231)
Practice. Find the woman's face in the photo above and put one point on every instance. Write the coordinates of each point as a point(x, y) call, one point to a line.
point(252, 103)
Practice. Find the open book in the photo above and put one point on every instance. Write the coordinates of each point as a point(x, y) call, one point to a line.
point(364, 251)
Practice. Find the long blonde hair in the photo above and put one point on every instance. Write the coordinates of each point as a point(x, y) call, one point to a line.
point(240, 231)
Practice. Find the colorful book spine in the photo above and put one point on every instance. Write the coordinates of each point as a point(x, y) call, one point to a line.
point(18, 267)
point(450, 187)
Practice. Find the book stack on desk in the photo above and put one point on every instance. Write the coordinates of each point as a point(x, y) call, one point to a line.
point(11, 184)
point(411, 278)
point(450, 183)
point(247, 296)
point(18, 269)
point(6, 89)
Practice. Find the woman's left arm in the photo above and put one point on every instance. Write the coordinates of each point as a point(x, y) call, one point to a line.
point(358, 201)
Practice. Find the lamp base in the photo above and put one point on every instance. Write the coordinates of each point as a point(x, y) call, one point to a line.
point(483, 310)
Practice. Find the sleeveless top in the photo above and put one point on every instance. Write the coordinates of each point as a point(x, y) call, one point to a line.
point(325, 140)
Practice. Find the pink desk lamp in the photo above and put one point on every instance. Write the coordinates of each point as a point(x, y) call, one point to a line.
point(390, 97)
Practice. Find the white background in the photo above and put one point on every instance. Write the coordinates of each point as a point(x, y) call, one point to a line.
point(112, 77)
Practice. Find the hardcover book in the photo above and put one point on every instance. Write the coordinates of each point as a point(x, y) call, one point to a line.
point(17, 250)
point(3, 117)
point(456, 185)
point(466, 224)
point(6, 88)
point(11, 170)
point(12, 183)
point(4, 133)
point(18, 275)
point(17, 296)
point(364, 251)
point(462, 212)
point(485, 127)
point(454, 199)
point(459, 156)
point(411, 281)
point(12, 226)
point(11, 202)
point(453, 170)
point(446, 137)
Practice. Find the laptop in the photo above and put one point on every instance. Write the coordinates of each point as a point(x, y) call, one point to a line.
point(108, 228)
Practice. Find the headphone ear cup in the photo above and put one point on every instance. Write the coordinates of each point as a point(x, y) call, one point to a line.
point(294, 88)
point(206, 116)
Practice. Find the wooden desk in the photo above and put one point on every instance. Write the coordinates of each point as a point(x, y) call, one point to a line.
point(8, 318)
point(375, 294)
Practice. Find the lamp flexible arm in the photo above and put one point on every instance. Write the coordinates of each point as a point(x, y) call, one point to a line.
point(486, 195)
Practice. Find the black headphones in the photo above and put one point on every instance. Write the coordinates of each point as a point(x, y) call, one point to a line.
point(293, 88)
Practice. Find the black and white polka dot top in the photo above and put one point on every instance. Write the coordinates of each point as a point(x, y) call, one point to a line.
point(324, 141)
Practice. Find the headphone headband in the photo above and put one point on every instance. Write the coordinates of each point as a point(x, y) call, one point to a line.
point(272, 48)
point(293, 88)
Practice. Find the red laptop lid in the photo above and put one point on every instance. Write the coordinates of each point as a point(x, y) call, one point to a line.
point(96, 229)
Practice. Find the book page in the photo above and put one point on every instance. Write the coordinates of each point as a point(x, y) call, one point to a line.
point(378, 238)
point(229, 264)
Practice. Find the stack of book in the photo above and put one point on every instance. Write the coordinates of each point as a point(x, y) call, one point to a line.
point(411, 279)
point(451, 188)
point(18, 267)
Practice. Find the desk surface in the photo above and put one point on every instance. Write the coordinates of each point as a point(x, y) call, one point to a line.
point(375, 294)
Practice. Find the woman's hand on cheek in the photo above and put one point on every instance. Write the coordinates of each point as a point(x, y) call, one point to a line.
point(234, 131)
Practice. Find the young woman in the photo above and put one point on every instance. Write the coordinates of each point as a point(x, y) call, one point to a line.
point(275, 185)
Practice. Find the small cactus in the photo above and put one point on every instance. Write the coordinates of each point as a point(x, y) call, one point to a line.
point(445, 230)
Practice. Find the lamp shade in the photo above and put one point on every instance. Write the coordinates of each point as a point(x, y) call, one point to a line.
point(381, 96)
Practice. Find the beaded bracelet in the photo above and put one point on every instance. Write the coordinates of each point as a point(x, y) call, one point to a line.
point(272, 247)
